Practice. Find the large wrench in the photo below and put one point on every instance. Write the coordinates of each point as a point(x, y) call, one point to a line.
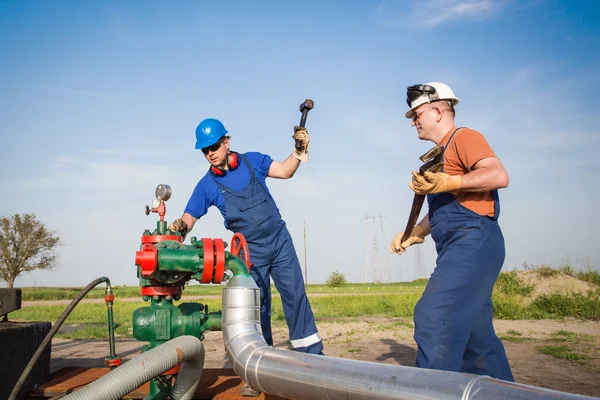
point(433, 162)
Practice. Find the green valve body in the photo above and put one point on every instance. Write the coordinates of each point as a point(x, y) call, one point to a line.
point(162, 321)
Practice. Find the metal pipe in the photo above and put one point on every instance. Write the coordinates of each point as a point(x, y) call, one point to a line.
point(109, 299)
point(237, 266)
point(295, 375)
point(140, 369)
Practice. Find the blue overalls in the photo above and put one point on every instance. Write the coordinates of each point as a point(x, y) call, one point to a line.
point(453, 318)
point(252, 211)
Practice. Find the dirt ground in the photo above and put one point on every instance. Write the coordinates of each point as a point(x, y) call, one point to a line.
point(389, 340)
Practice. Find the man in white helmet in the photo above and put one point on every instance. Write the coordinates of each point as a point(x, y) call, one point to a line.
point(453, 318)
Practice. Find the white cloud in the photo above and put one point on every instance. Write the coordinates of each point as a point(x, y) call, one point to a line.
point(433, 13)
point(88, 93)
point(436, 12)
point(103, 180)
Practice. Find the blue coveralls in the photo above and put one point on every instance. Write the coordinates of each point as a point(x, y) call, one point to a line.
point(252, 211)
point(453, 318)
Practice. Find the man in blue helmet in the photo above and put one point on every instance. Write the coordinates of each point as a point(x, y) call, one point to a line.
point(236, 184)
point(453, 318)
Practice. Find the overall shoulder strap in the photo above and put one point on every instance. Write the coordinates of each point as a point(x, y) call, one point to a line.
point(452, 136)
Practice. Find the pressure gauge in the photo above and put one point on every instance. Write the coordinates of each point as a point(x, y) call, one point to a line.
point(163, 192)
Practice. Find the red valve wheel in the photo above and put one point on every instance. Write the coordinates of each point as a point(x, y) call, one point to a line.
point(238, 245)
point(209, 260)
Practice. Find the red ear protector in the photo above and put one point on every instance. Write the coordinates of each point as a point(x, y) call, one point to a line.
point(233, 161)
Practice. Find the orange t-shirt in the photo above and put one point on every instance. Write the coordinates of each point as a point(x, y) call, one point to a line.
point(466, 148)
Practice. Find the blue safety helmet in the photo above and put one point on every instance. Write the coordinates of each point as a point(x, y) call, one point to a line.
point(209, 132)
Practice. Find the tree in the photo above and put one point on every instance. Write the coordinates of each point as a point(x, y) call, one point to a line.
point(25, 245)
point(336, 279)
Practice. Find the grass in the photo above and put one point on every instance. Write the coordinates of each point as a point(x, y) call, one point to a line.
point(90, 319)
point(575, 305)
point(68, 293)
point(58, 293)
point(358, 301)
point(553, 306)
point(510, 283)
point(386, 326)
point(513, 339)
point(562, 352)
point(544, 270)
point(331, 307)
point(572, 337)
point(571, 346)
point(590, 275)
point(513, 336)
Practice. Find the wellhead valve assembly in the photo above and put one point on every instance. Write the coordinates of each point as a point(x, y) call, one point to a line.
point(164, 266)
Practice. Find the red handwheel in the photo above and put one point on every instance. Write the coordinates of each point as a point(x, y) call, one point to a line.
point(238, 243)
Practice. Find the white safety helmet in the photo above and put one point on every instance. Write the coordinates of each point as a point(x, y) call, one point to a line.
point(428, 93)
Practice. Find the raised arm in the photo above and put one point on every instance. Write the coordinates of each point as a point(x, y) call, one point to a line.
point(285, 169)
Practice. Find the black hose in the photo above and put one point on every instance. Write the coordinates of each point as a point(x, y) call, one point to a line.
point(50, 335)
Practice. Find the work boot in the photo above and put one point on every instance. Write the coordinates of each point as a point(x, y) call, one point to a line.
point(247, 391)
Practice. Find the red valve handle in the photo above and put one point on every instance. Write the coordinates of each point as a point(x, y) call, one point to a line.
point(238, 245)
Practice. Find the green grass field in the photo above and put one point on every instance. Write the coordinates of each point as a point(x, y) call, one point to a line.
point(88, 321)
point(58, 293)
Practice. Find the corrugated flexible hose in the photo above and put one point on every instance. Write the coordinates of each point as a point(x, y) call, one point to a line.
point(139, 370)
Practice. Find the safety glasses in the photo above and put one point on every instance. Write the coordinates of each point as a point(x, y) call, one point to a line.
point(213, 147)
point(416, 91)
point(416, 115)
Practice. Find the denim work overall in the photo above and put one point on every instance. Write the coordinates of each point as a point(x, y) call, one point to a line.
point(252, 211)
point(453, 318)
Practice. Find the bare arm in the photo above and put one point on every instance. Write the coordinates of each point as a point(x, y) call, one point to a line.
point(285, 169)
point(487, 174)
point(425, 225)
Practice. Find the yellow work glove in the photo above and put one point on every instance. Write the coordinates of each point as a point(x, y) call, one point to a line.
point(435, 182)
point(180, 226)
point(417, 236)
point(302, 139)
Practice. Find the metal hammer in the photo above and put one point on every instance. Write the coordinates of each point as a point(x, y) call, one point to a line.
point(305, 107)
point(433, 162)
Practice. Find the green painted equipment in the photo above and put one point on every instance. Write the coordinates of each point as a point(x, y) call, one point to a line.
point(164, 266)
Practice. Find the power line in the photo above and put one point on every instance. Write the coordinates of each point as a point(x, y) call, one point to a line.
point(387, 273)
point(375, 249)
point(376, 271)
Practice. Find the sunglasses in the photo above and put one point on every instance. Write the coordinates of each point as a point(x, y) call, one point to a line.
point(416, 116)
point(213, 147)
point(416, 91)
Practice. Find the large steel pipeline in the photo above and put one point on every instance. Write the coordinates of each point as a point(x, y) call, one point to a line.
point(295, 375)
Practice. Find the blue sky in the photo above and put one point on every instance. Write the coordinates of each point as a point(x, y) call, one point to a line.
point(100, 101)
